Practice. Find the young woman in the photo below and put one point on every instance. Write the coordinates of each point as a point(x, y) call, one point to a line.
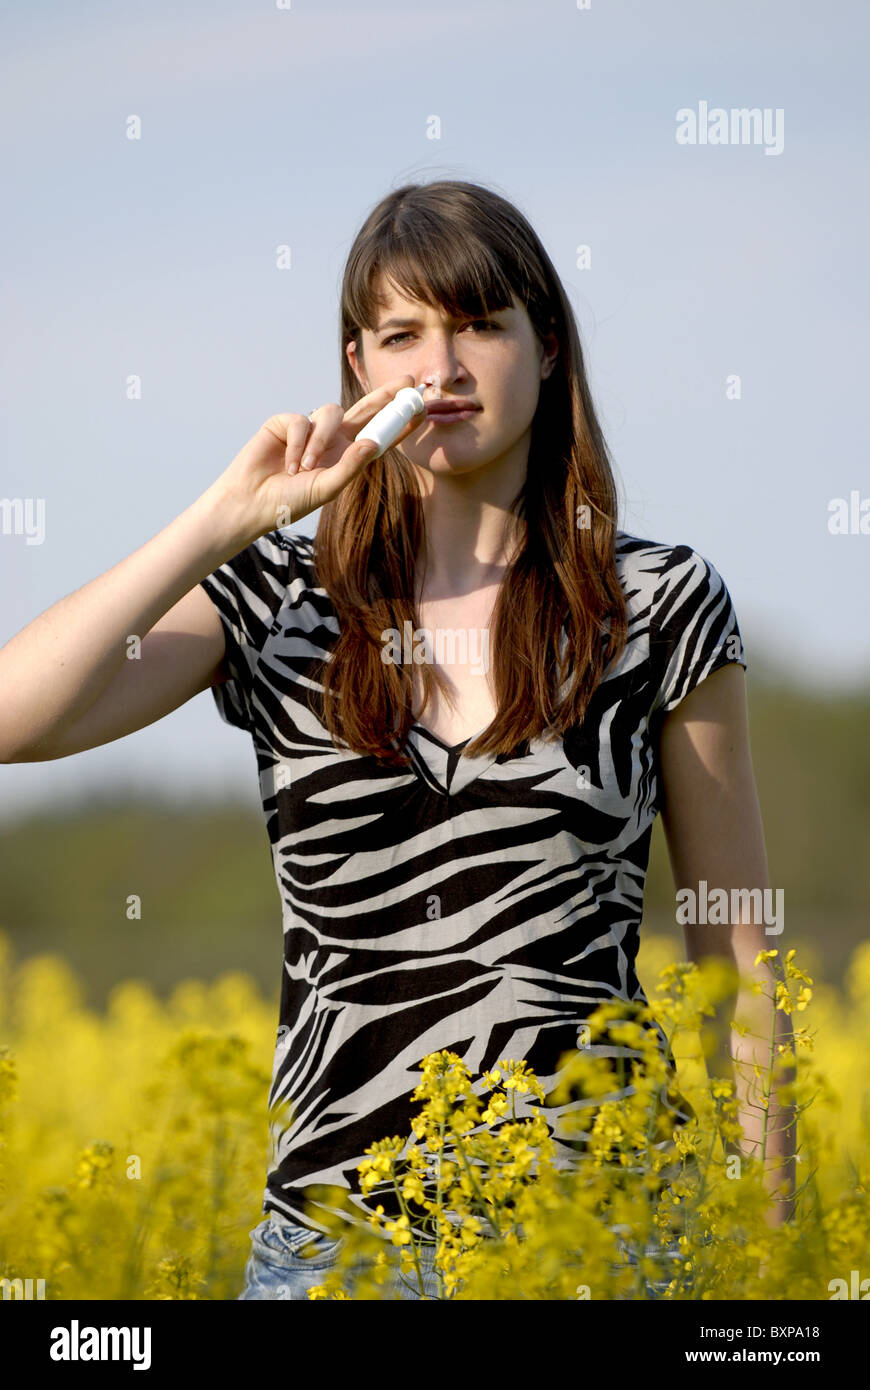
point(459, 817)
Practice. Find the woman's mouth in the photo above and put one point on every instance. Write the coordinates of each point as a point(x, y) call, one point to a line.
point(445, 412)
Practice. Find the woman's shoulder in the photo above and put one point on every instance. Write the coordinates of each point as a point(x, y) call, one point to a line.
point(650, 568)
point(645, 554)
point(680, 606)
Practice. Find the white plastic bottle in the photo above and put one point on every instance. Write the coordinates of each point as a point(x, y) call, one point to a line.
point(389, 422)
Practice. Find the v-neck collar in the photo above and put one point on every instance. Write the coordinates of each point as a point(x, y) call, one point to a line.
point(441, 767)
point(450, 747)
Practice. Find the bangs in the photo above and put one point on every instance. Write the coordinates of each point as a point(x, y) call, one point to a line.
point(432, 259)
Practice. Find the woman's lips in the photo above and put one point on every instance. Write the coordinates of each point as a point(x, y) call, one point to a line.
point(440, 414)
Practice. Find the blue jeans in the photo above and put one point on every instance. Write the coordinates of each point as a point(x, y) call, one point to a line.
point(277, 1269)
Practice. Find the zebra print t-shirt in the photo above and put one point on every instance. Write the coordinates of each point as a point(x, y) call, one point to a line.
point(484, 905)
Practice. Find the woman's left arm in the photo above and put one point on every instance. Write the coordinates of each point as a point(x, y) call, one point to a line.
point(712, 823)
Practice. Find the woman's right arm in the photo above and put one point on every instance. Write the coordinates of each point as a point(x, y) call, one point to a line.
point(67, 681)
point(70, 680)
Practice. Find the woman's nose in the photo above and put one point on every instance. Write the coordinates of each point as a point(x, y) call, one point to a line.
point(439, 362)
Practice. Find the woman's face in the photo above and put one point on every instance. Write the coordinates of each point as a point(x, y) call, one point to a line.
point(496, 365)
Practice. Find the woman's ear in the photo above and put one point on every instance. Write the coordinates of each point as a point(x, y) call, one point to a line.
point(356, 362)
point(549, 354)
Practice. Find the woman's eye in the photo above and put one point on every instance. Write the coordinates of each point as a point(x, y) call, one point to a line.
point(476, 323)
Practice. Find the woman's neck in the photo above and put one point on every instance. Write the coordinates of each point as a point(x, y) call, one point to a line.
point(466, 559)
point(471, 532)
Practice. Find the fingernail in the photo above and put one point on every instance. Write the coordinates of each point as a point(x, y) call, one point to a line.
point(308, 460)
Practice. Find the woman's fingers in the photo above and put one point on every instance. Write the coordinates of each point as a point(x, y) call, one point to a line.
point(323, 425)
point(333, 429)
point(367, 408)
point(328, 482)
point(299, 428)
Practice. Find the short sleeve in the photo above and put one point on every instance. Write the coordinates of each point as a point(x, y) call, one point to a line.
point(247, 590)
point(693, 628)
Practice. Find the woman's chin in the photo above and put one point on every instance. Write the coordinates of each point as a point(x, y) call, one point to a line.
point(440, 463)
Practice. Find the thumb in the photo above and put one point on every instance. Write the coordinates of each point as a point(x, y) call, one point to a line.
point(327, 483)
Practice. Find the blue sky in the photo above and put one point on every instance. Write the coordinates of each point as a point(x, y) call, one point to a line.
point(264, 126)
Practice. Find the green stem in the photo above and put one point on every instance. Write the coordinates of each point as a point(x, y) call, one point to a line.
point(411, 1233)
point(693, 1211)
point(438, 1211)
point(769, 1080)
point(471, 1178)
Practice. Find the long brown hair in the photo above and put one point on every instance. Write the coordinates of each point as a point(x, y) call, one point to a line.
point(468, 249)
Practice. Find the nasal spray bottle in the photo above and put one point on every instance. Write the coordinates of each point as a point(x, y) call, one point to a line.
point(388, 424)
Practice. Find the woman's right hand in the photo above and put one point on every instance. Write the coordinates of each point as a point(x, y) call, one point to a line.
point(266, 480)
